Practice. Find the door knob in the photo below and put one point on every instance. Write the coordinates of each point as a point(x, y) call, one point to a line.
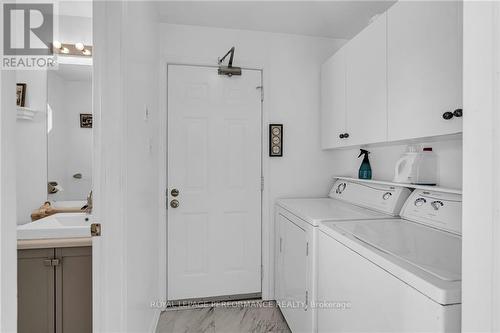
point(174, 192)
point(341, 136)
point(458, 113)
point(174, 203)
point(346, 135)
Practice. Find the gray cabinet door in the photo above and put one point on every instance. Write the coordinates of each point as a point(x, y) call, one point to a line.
point(36, 294)
point(74, 290)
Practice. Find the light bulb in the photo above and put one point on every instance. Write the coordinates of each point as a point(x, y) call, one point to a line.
point(86, 52)
point(79, 46)
point(65, 50)
point(57, 44)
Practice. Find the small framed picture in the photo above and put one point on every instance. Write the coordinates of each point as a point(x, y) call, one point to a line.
point(20, 94)
point(85, 120)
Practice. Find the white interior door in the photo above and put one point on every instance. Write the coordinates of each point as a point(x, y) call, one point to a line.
point(214, 161)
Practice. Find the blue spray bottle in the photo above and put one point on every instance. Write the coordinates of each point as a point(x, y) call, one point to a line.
point(365, 170)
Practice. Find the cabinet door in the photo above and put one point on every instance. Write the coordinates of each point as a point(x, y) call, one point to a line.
point(424, 68)
point(74, 290)
point(366, 85)
point(294, 276)
point(333, 100)
point(35, 291)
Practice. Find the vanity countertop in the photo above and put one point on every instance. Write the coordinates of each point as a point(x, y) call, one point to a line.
point(63, 228)
point(25, 244)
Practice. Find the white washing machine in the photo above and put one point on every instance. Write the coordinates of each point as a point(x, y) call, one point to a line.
point(296, 225)
point(398, 275)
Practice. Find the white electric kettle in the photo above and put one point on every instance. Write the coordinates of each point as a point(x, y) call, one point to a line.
point(404, 171)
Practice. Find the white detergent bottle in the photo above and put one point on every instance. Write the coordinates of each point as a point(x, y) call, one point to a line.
point(426, 167)
point(405, 166)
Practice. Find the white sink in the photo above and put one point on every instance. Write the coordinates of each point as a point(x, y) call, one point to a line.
point(63, 225)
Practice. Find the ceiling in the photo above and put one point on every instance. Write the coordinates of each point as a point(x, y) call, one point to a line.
point(332, 19)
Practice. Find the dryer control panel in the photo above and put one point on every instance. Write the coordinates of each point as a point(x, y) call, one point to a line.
point(387, 199)
point(436, 209)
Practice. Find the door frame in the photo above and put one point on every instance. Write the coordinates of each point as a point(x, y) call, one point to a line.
point(266, 226)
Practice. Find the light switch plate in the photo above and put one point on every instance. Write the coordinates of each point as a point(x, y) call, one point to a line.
point(275, 140)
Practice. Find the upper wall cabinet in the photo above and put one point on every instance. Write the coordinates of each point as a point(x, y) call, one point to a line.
point(354, 90)
point(398, 79)
point(424, 43)
point(333, 108)
point(366, 85)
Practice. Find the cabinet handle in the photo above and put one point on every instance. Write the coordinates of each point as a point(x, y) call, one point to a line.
point(458, 113)
point(447, 115)
point(346, 135)
point(341, 136)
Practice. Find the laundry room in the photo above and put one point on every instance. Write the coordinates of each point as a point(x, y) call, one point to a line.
point(250, 166)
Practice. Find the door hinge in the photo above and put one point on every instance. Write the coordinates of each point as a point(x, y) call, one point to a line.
point(307, 249)
point(261, 92)
point(281, 242)
point(307, 300)
point(52, 262)
point(95, 229)
point(261, 273)
point(261, 184)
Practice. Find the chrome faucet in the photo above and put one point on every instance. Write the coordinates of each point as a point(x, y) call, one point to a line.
point(88, 207)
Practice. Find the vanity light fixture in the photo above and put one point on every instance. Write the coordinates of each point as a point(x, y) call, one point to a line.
point(79, 46)
point(72, 49)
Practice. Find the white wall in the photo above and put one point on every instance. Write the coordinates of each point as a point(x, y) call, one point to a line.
point(73, 29)
point(291, 71)
point(383, 160)
point(291, 84)
point(31, 146)
point(126, 70)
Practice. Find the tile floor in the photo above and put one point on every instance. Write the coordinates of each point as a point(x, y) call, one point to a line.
point(231, 317)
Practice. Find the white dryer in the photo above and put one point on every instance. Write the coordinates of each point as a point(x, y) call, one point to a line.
point(398, 275)
point(296, 226)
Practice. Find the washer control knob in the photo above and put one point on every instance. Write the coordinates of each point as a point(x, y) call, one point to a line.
point(419, 202)
point(340, 188)
point(387, 195)
point(437, 204)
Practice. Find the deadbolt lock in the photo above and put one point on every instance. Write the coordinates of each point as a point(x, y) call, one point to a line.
point(174, 203)
point(174, 192)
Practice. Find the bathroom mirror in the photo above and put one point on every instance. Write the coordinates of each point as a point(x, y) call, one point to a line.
point(69, 131)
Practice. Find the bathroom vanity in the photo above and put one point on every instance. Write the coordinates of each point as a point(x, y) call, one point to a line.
point(55, 286)
point(55, 274)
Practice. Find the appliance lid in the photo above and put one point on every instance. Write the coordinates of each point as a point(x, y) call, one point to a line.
point(434, 251)
point(315, 210)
